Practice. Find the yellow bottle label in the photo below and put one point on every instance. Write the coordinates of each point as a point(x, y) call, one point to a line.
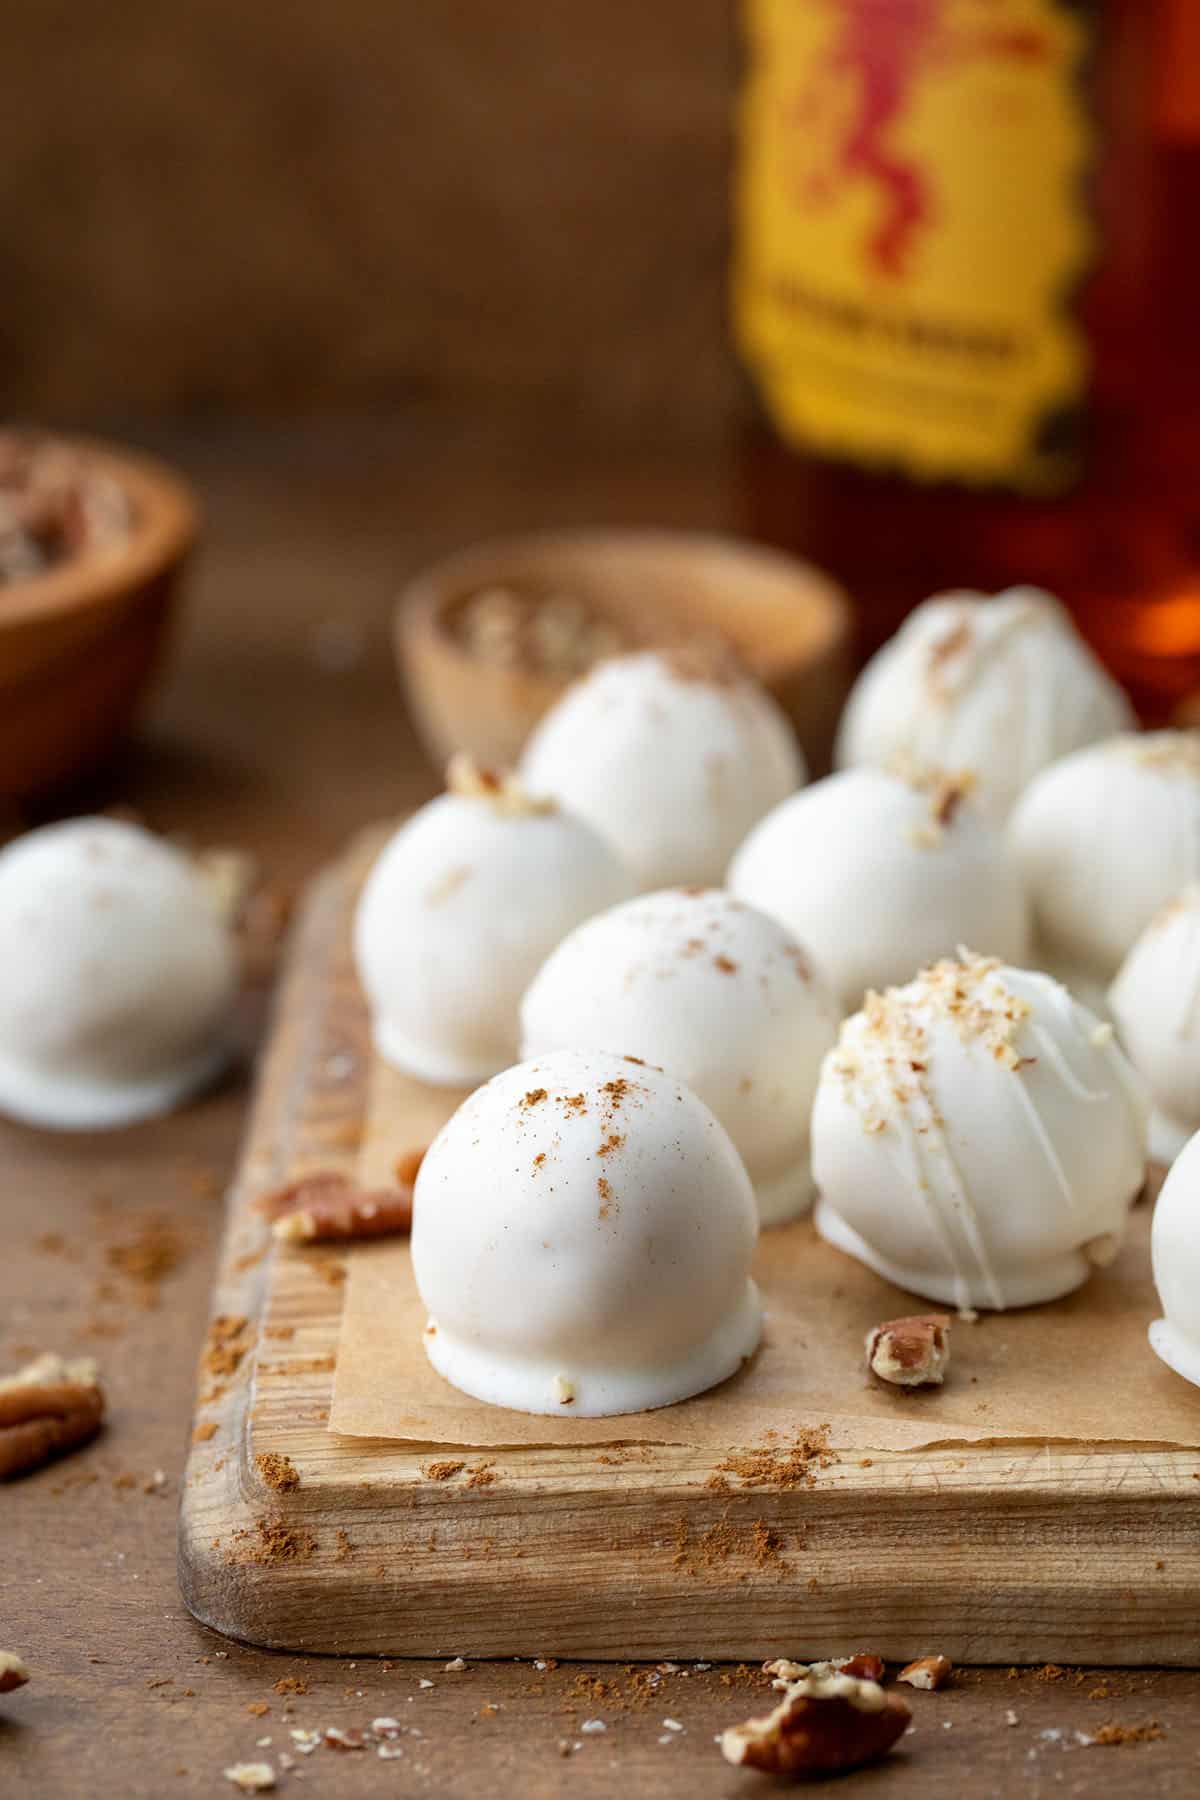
point(912, 230)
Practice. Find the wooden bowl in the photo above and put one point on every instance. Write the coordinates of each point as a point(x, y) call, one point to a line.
point(789, 623)
point(80, 644)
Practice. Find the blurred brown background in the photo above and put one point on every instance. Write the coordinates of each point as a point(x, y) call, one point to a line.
point(315, 206)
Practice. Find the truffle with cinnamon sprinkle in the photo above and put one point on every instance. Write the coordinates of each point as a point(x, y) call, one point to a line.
point(672, 755)
point(711, 990)
point(585, 1259)
point(1001, 685)
point(877, 871)
point(463, 904)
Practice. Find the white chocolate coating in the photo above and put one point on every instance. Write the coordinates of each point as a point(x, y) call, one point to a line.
point(1104, 840)
point(1000, 686)
point(1155, 1001)
point(670, 765)
point(117, 976)
point(716, 994)
point(463, 906)
point(1175, 1252)
point(978, 1137)
point(876, 874)
point(582, 1235)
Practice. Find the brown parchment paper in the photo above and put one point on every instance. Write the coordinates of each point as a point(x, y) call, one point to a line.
point(1079, 1370)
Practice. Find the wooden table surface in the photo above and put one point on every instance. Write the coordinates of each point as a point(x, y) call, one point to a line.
point(279, 729)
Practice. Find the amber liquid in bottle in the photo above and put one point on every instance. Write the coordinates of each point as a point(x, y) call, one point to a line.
point(1120, 542)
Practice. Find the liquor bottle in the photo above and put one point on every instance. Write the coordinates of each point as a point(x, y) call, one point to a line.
point(966, 289)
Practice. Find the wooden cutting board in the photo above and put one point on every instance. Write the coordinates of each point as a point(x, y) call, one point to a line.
point(1007, 1553)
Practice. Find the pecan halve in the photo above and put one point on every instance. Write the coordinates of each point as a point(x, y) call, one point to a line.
point(49, 1406)
point(327, 1207)
point(819, 1727)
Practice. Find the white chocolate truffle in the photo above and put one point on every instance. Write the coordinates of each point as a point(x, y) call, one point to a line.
point(999, 686)
point(463, 906)
point(117, 976)
point(672, 756)
point(719, 996)
point(1175, 1253)
point(879, 871)
point(1155, 1001)
point(978, 1137)
point(582, 1235)
point(1104, 840)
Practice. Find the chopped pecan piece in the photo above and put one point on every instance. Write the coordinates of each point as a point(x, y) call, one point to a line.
point(251, 1778)
point(927, 1672)
point(911, 1352)
point(13, 1672)
point(864, 1664)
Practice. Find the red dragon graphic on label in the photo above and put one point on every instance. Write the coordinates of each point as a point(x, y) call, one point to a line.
point(879, 52)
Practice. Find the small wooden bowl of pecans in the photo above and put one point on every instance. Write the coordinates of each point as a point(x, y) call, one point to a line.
point(92, 541)
point(488, 638)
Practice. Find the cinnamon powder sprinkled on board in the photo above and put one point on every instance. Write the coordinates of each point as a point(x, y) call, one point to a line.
point(272, 1543)
point(757, 1542)
point(148, 1259)
point(1128, 1734)
point(278, 1471)
point(767, 1544)
point(788, 1466)
point(441, 1471)
point(225, 1345)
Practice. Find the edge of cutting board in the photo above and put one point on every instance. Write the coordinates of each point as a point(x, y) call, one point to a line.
point(1012, 1553)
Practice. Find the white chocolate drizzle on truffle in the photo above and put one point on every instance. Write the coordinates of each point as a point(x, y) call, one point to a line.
point(1002, 686)
point(972, 1139)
